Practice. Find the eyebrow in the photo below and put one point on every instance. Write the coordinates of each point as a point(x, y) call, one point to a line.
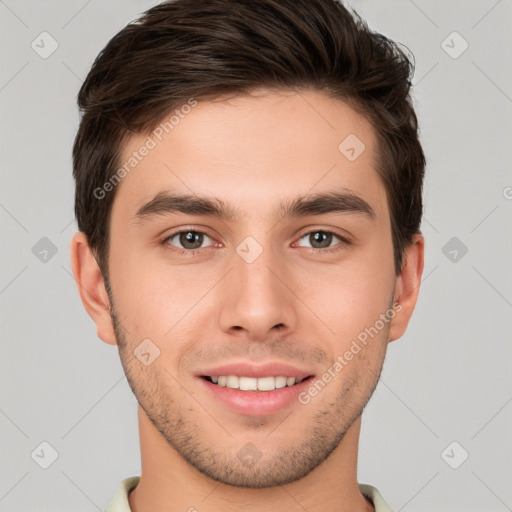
point(165, 203)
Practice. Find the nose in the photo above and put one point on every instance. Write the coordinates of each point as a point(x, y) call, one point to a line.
point(257, 301)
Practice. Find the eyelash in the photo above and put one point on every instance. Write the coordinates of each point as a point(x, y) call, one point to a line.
point(191, 252)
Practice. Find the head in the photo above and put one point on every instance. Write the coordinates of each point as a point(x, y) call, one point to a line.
point(249, 106)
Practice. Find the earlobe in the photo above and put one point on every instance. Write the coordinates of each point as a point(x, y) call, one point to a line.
point(408, 286)
point(91, 287)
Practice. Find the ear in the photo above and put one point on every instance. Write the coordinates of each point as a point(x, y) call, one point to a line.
point(91, 287)
point(407, 286)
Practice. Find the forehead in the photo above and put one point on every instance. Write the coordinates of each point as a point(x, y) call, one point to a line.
point(251, 151)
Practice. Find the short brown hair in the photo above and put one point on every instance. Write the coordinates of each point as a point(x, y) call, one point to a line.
point(184, 49)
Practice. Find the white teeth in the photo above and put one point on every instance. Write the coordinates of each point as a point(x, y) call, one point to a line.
point(254, 384)
point(232, 382)
point(266, 383)
point(281, 382)
point(248, 384)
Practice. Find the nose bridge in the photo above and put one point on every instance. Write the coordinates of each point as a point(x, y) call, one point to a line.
point(258, 300)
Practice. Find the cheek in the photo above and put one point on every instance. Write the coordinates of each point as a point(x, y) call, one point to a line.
point(158, 301)
point(350, 306)
point(349, 296)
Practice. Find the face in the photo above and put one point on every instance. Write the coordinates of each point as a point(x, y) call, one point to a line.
point(281, 285)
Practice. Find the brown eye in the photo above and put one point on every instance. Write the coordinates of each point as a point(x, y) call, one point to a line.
point(188, 239)
point(323, 242)
point(191, 240)
point(321, 239)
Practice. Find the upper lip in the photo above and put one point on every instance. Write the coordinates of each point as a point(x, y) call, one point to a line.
point(244, 369)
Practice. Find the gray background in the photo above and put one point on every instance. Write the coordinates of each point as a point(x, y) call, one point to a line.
point(447, 380)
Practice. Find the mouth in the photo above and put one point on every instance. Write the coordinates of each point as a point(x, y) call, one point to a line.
point(255, 396)
point(255, 389)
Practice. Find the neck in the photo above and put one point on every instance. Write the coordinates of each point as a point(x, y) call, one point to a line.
point(169, 483)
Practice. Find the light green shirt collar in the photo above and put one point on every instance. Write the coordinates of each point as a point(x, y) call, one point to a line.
point(120, 502)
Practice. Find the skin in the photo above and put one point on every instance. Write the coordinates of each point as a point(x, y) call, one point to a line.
point(291, 304)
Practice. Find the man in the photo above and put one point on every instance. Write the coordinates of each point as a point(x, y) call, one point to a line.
point(249, 196)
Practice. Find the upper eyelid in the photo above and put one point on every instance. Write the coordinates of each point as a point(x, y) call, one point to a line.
point(325, 230)
point(179, 232)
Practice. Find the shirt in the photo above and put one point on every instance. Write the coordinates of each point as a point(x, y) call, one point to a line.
point(120, 501)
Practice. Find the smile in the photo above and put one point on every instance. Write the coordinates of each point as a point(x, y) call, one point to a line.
point(253, 384)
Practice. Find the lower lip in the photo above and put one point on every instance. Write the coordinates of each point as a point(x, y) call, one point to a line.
point(256, 403)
